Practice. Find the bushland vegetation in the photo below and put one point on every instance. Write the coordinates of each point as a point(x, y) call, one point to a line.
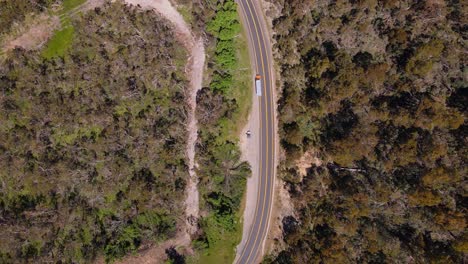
point(15, 12)
point(378, 90)
point(219, 112)
point(92, 141)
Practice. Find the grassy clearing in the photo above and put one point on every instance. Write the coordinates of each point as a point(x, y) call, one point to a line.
point(223, 251)
point(240, 91)
point(59, 43)
point(62, 39)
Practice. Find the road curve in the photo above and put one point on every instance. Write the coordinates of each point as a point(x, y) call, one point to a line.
point(260, 47)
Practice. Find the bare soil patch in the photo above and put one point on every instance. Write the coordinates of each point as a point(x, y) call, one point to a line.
point(306, 161)
point(32, 35)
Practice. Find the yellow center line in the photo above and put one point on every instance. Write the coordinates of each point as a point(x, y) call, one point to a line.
point(249, 235)
point(271, 117)
point(252, 12)
point(264, 190)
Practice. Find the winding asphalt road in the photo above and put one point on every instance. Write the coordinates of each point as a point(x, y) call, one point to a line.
point(260, 47)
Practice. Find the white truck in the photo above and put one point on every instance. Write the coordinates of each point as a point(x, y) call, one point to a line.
point(258, 84)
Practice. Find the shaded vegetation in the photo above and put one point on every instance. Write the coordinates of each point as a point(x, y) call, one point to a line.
point(92, 143)
point(377, 89)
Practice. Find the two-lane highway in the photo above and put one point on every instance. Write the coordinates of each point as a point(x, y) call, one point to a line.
point(260, 47)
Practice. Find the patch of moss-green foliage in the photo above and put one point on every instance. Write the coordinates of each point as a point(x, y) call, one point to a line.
point(63, 138)
point(60, 42)
point(186, 13)
point(224, 236)
point(130, 237)
point(425, 56)
point(224, 27)
point(31, 249)
point(62, 39)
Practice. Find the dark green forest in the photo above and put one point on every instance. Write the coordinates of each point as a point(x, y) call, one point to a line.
point(378, 90)
point(92, 142)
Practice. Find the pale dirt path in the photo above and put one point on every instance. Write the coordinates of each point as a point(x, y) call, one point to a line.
point(35, 36)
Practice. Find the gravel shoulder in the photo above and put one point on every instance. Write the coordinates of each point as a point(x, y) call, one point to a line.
point(250, 153)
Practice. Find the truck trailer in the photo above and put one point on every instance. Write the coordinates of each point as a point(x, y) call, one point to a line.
point(258, 84)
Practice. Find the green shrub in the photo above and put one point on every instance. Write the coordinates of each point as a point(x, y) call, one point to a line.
point(127, 241)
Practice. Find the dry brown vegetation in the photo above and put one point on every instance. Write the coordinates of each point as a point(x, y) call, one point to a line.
point(378, 89)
